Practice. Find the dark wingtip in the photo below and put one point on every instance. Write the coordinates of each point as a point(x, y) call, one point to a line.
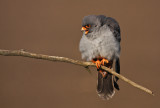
point(116, 85)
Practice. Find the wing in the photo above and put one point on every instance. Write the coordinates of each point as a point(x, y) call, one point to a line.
point(114, 27)
point(117, 69)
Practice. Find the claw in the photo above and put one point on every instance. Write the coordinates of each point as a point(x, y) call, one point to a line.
point(100, 61)
point(98, 64)
point(104, 61)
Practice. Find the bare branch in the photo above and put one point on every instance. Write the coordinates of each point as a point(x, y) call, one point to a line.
point(68, 60)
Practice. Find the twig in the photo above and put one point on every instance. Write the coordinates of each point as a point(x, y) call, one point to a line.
point(68, 60)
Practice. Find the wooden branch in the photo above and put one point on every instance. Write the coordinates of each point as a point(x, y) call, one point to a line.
point(68, 60)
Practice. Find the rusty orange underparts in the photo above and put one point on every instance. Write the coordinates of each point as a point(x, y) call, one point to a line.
point(100, 61)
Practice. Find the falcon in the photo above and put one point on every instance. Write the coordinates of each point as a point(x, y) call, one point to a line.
point(100, 43)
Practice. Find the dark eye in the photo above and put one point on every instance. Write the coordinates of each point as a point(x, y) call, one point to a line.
point(95, 25)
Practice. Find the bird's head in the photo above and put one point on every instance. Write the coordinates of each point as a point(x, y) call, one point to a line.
point(92, 23)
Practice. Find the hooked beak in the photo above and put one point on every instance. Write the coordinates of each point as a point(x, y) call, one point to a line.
point(85, 29)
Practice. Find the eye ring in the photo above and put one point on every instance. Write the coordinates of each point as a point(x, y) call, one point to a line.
point(88, 26)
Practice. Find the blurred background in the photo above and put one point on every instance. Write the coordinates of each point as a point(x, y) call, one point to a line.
point(53, 27)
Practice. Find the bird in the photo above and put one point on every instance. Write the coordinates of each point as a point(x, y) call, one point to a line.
point(100, 44)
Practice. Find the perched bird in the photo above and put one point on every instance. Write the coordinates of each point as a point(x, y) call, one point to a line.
point(100, 43)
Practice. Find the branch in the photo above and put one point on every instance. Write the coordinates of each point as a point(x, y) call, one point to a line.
point(68, 60)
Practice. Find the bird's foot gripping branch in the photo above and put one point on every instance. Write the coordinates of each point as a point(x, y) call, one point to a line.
point(68, 60)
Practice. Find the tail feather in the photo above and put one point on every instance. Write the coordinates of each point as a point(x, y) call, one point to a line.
point(105, 87)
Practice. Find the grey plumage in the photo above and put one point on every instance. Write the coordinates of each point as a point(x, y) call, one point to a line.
point(103, 39)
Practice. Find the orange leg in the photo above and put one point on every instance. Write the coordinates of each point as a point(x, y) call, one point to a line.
point(98, 64)
point(104, 61)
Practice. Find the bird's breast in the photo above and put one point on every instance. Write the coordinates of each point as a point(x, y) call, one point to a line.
point(105, 46)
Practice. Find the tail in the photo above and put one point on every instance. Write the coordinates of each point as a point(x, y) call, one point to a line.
point(105, 86)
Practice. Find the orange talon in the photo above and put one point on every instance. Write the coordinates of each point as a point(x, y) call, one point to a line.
point(104, 61)
point(98, 64)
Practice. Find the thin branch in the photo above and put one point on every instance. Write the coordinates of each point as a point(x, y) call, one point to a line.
point(68, 60)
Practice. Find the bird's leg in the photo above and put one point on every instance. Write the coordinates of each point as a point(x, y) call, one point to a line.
point(98, 63)
point(103, 61)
